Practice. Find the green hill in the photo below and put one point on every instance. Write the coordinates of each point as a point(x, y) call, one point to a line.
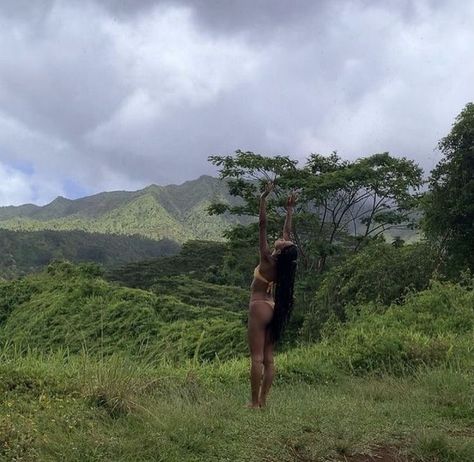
point(27, 251)
point(196, 259)
point(176, 212)
point(91, 370)
point(200, 293)
point(70, 306)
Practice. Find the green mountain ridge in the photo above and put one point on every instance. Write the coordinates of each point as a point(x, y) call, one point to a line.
point(177, 212)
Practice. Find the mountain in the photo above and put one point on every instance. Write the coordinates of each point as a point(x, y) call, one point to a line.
point(176, 212)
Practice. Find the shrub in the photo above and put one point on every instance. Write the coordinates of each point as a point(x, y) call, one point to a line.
point(380, 273)
point(68, 306)
point(428, 328)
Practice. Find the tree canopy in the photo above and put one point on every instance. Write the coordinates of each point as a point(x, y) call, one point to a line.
point(342, 203)
point(449, 204)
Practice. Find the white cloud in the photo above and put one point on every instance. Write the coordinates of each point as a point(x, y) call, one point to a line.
point(17, 187)
point(422, 79)
point(170, 65)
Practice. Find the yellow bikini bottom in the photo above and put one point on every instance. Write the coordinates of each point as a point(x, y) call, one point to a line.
point(270, 303)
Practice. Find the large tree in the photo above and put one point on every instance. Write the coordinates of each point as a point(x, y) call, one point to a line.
point(449, 204)
point(342, 204)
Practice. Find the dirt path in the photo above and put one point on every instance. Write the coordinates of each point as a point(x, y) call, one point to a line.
point(382, 454)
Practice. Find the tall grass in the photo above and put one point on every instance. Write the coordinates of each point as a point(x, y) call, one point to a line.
point(90, 372)
point(80, 407)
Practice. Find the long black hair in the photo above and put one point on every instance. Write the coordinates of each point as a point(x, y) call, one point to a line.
point(285, 280)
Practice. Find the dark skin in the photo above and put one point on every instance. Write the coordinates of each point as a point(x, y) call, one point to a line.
point(262, 368)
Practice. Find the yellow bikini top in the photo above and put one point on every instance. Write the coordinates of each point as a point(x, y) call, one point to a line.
point(258, 275)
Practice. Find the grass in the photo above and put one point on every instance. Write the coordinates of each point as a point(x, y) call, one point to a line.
point(78, 408)
point(162, 380)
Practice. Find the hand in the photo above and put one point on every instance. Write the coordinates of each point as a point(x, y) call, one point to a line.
point(291, 201)
point(268, 189)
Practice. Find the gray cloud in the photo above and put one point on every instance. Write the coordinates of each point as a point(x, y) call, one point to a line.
point(118, 94)
point(226, 16)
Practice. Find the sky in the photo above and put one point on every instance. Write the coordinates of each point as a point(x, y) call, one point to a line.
point(100, 95)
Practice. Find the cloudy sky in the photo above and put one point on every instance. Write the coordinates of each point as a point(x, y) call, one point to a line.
point(117, 94)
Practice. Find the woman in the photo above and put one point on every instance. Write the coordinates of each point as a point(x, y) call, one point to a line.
point(268, 316)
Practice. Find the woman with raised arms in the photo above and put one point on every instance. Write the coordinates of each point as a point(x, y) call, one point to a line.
point(271, 300)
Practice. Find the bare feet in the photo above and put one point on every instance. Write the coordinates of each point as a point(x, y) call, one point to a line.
point(252, 406)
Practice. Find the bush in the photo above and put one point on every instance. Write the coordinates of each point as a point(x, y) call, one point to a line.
point(13, 294)
point(428, 328)
point(380, 273)
point(203, 340)
point(200, 293)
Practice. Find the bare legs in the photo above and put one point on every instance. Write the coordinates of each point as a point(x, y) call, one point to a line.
point(268, 370)
point(261, 352)
point(255, 381)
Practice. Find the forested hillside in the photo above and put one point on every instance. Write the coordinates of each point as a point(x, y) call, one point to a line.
point(24, 252)
point(197, 259)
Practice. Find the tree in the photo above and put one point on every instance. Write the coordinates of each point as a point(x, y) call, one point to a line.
point(362, 198)
point(449, 203)
point(342, 204)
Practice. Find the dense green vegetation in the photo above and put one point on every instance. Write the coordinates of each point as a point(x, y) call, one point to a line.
point(201, 293)
point(394, 380)
point(148, 360)
point(72, 307)
point(342, 204)
point(379, 273)
point(449, 204)
point(25, 252)
point(156, 212)
point(201, 260)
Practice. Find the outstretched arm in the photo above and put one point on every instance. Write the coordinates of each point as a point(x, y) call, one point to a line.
point(289, 213)
point(262, 222)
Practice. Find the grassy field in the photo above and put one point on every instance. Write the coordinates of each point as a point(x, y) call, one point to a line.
point(94, 371)
point(83, 409)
